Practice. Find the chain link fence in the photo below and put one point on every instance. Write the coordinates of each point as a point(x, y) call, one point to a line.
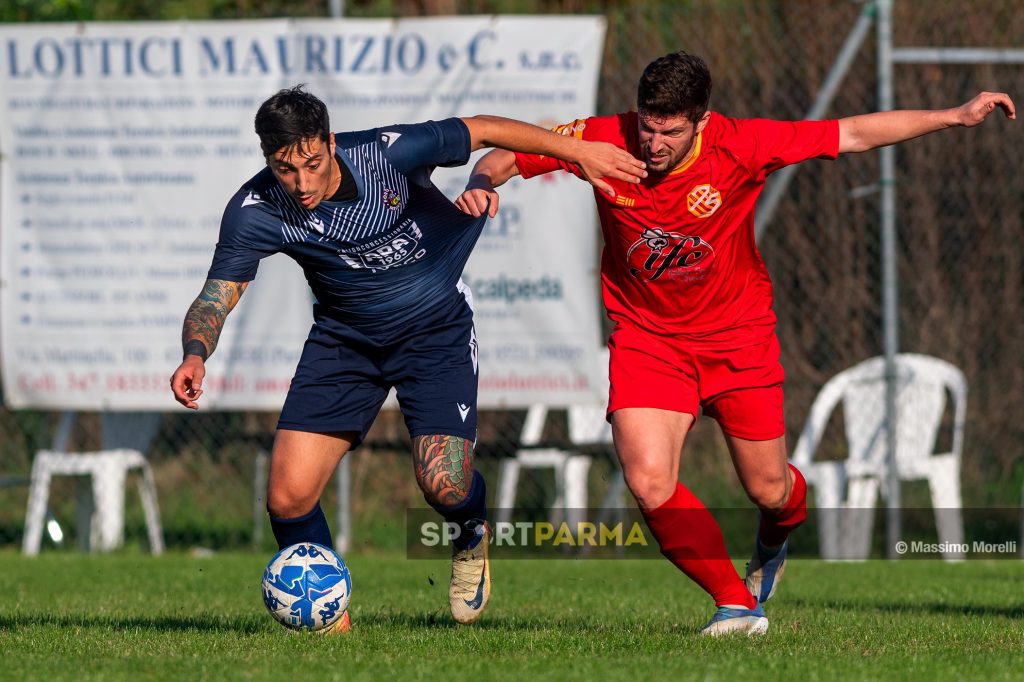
point(960, 264)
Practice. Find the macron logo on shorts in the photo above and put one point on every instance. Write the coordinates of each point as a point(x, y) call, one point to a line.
point(463, 410)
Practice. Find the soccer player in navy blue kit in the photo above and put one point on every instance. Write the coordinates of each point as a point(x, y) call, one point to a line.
point(383, 251)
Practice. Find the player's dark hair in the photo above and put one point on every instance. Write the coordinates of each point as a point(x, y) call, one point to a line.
point(289, 118)
point(673, 85)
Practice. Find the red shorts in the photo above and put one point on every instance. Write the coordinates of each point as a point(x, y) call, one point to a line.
point(739, 387)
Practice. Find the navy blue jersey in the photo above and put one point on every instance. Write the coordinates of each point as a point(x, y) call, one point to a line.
point(379, 263)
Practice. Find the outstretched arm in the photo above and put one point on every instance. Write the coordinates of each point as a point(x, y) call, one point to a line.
point(199, 335)
point(869, 131)
point(492, 170)
point(596, 160)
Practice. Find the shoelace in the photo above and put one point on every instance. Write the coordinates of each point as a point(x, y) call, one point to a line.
point(465, 584)
point(464, 576)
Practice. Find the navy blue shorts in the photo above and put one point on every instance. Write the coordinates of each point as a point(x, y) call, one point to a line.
point(343, 378)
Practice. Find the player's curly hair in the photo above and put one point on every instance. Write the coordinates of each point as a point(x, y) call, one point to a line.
point(289, 118)
point(673, 85)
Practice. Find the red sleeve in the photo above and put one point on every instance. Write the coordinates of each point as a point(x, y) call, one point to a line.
point(530, 165)
point(769, 145)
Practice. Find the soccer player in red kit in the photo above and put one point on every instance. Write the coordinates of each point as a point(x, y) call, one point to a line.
point(691, 303)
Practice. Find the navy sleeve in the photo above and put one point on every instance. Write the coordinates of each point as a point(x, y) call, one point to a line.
point(248, 232)
point(415, 150)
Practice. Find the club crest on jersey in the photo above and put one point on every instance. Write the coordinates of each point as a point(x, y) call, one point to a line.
point(703, 201)
point(392, 199)
point(657, 252)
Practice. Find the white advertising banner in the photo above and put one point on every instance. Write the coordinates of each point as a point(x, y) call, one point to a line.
point(121, 143)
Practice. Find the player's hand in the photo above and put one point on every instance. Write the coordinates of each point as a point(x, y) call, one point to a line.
point(187, 381)
point(977, 110)
point(600, 160)
point(478, 198)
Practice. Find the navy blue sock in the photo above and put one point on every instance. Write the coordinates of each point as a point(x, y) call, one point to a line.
point(311, 527)
point(469, 513)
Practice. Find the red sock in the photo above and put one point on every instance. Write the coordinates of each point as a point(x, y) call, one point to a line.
point(776, 526)
point(690, 538)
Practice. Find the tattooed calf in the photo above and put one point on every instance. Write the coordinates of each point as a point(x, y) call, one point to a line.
point(444, 467)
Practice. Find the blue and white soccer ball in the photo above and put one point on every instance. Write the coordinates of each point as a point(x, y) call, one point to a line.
point(307, 587)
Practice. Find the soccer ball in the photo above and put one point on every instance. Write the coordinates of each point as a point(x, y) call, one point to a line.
point(307, 587)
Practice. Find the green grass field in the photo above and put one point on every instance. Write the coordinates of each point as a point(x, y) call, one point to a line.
point(131, 616)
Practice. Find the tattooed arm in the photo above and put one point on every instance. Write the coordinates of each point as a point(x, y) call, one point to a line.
point(199, 335)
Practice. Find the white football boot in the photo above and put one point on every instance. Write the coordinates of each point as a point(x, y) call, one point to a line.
point(470, 588)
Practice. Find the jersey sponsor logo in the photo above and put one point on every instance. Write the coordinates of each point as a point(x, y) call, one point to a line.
point(703, 201)
point(682, 256)
point(252, 199)
point(388, 139)
point(400, 246)
point(463, 410)
point(392, 199)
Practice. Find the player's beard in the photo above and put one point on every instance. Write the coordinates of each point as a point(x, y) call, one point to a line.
point(667, 163)
point(659, 167)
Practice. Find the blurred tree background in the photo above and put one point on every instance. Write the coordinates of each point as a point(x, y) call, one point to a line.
point(154, 10)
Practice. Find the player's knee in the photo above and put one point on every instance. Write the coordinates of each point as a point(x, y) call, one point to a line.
point(769, 494)
point(443, 493)
point(443, 466)
point(650, 488)
point(288, 504)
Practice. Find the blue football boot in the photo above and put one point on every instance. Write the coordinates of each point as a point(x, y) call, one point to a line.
point(765, 570)
point(728, 620)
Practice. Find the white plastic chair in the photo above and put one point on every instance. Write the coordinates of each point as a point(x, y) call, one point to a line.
point(846, 491)
point(571, 469)
point(588, 425)
point(108, 470)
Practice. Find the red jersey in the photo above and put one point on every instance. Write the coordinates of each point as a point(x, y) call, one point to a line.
point(679, 255)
